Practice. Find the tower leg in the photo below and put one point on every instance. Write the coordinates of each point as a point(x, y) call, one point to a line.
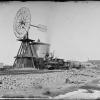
point(14, 65)
point(32, 56)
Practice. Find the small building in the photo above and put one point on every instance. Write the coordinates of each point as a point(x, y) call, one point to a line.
point(1, 65)
point(95, 62)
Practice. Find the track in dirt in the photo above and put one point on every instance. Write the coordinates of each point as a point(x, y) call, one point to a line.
point(16, 72)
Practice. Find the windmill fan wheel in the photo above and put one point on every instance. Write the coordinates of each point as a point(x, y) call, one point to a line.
point(22, 22)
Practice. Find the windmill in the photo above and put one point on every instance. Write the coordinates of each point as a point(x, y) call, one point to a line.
point(21, 26)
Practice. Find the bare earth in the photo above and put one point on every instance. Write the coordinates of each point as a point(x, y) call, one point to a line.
point(54, 85)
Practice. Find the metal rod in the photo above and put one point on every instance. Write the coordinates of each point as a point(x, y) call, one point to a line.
point(35, 26)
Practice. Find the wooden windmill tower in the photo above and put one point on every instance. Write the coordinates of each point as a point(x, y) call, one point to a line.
point(26, 53)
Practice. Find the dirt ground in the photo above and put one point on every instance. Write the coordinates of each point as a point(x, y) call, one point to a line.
point(53, 85)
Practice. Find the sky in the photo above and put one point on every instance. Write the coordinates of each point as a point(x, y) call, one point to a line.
point(73, 28)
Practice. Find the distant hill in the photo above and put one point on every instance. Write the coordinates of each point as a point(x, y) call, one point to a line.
point(97, 62)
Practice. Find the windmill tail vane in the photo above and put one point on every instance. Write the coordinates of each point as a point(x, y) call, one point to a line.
point(40, 27)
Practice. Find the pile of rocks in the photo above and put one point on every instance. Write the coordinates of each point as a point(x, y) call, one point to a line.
point(22, 81)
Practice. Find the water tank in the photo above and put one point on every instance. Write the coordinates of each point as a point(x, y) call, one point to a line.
point(40, 49)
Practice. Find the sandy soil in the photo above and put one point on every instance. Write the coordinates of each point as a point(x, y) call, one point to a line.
point(60, 85)
point(89, 91)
